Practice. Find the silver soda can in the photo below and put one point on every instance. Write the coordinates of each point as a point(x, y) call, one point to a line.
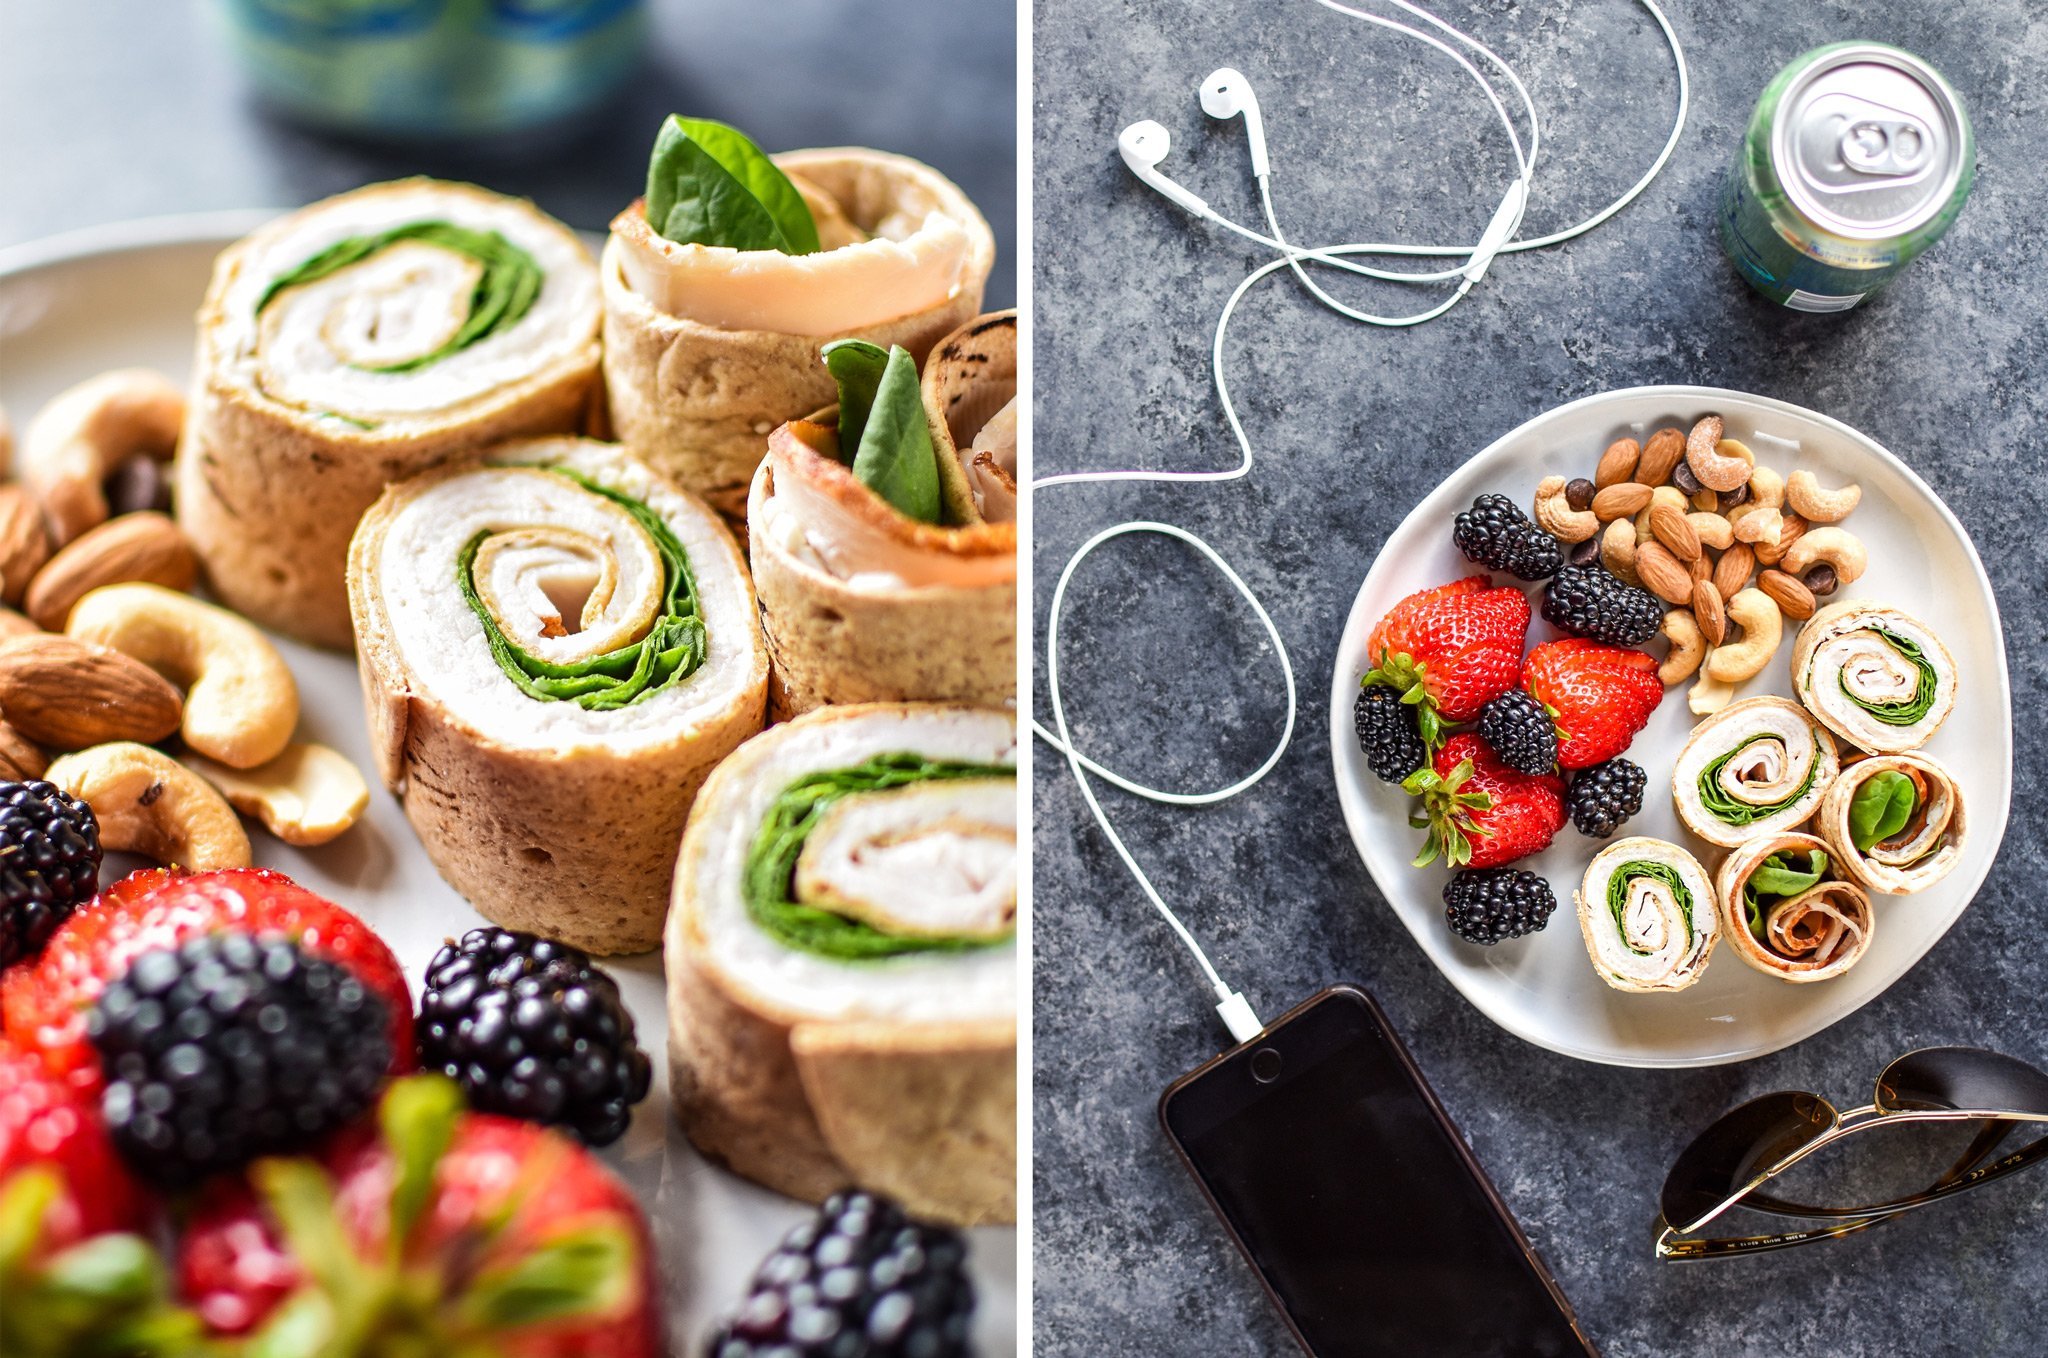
point(1858, 157)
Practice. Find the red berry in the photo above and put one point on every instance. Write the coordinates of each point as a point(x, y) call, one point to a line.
point(1482, 813)
point(1602, 696)
point(43, 1003)
point(1461, 643)
point(44, 1122)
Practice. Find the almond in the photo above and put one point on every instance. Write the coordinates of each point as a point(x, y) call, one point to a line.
point(1731, 572)
point(24, 546)
point(13, 624)
point(1663, 574)
point(1618, 463)
point(1791, 528)
point(70, 694)
point(146, 547)
point(1701, 568)
point(1620, 500)
point(20, 760)
point(1788, 592)
point(1708, 613)
point(1661, 455)
point(1674, 532)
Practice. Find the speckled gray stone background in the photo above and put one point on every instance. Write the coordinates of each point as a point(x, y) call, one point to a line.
point(1372, 134)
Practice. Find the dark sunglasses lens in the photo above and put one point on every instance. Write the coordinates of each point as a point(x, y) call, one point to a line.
point(1962, 1078)
point(1739, 1145)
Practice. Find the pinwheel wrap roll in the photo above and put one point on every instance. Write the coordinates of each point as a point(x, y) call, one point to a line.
point(1754, 768)
point(357, 342)
point(1875, 676)
point(842, 971)
point(1895, 822)
point(862, 603)
point(707, 349)
point(1787, 913)
point(556, 647)
point(1649, 915)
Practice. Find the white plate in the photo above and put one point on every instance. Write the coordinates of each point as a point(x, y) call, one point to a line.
point(113, 296)
point(1543, 987)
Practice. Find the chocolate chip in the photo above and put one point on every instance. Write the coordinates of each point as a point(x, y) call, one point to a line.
point(1732, 498)
point(1579, 494)
point(1682, 477)
point(136, 485)
point(1821, 580)
point(1585, 553)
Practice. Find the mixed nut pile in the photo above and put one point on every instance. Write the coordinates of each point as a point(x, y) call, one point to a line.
point(1732, 546)
point(109, 656)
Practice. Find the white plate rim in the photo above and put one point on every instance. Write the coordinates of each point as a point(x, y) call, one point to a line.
point(1360, 819)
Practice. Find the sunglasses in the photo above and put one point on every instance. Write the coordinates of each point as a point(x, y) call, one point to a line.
point(1729, 1163)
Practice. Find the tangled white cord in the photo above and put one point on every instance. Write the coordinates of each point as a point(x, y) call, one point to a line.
point(1143, 145)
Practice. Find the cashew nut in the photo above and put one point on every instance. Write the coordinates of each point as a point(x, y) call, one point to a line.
point(1662, 495)
point(1714, 531)
point(1759, 525)
point(1618, 551)
point(1815, 505)
point(1790, 529)
point(86, 432)
point(1556, 517)
point(1688, 647)
point(241, 702)
point(148, 803)
point(1717, 463)
point(1763, 627)
point(1766, 488)
point(6, 443)
point(307, 795)
point(1838, 547)
point(1709, 695)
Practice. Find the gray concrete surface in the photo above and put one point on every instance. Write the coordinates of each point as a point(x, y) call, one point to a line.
point(114, 109)
point(1353, 426)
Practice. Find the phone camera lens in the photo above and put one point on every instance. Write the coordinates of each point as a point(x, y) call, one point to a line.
point(1265, 1065)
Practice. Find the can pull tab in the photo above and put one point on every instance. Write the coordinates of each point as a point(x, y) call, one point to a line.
point(1890, 147)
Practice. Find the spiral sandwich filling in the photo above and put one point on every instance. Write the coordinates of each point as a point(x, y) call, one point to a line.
point(1787, 914)
point(1874, 676)
point(1755, 767)
point(1895, 823)
point(1647, 911)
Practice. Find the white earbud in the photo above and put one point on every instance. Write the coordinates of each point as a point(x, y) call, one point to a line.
point(1143, 145)
point(1225, 94)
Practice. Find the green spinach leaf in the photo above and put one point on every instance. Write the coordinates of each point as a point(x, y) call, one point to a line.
point(888, 442)
point(1915, 707)
point(1617, 896)
point(1780, 878)
point(1727, 809)
point(767, 884)
point(1881, 808)
point(504, 293)
point(670, 652)
point(707, 184)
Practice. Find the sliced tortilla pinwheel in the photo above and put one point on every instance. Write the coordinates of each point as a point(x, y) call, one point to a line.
point(556, 647)
point(1895, 822)
point(1649, 916)
point(364, 339)
point(707, 348)
point(841, 959)
point(1754, 768)
point(1786, 911)
point(1876, 677)
point(864, 601)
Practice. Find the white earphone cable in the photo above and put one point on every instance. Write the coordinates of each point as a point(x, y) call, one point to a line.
point(1498, 239)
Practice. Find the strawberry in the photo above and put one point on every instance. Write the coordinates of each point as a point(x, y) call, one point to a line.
point(76, 1275)
point(437, 1231)
point(43, 1003)
point(1450, 650)
point(1479, 812)
point(1599, 696)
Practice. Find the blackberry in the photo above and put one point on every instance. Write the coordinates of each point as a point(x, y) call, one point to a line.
point(1486, 905)
point(1388, 732)
point(1589, 601)
point(1495, 532)
point(230, 1046)
point(1521, 732)
point(533, 1029)
point(1603, 797)
point(861, 1280)
point(49, 864)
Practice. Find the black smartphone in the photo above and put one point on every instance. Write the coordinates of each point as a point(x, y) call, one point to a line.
point(1343, 1182)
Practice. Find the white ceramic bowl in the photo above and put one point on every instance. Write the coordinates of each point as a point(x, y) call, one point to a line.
point(1543, 988)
